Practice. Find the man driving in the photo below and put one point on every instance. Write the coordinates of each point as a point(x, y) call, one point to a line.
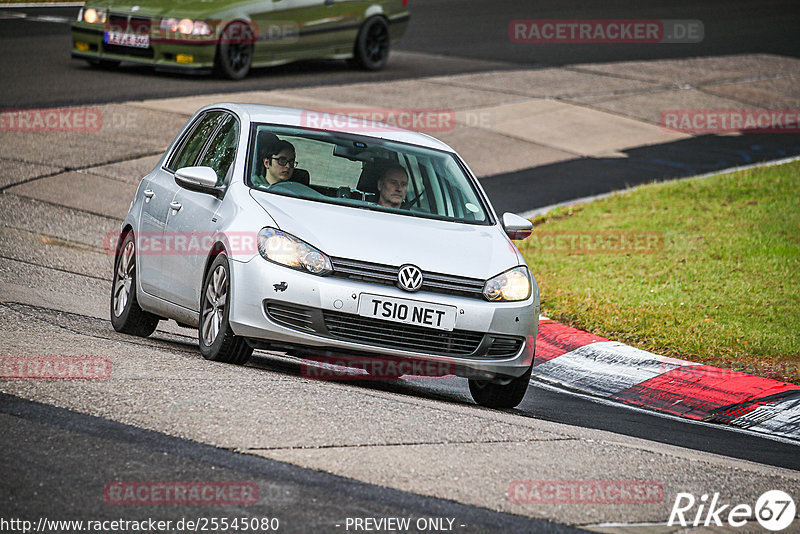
point(392, 186)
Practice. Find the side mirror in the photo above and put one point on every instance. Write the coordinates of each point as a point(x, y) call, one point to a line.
point(516, 227)
point(202, 177)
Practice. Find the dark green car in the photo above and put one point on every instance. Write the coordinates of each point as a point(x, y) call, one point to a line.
point(230, 36)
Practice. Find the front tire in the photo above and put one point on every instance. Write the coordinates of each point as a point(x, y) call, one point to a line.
point(371, 50)
point(217, 341)
point(126, 314)
point(500, 393)
point(235, 51)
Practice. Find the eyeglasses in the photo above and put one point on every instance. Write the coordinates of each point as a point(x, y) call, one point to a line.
point(283, 162)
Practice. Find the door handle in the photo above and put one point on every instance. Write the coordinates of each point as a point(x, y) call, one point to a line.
point(149, 193)
point(175, 205)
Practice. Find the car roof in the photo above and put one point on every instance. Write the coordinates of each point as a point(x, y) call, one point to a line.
point(329, 121)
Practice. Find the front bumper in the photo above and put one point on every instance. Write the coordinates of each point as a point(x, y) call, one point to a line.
point(88, 43)
point(287, 309)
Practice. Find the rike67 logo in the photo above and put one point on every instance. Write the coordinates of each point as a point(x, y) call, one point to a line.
point(774, 510)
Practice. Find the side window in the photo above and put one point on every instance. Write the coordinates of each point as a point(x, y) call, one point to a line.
point(192, 144)
point(222, 150)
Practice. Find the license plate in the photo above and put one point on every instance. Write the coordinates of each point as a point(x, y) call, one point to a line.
point(407, 311)
point(127, 39)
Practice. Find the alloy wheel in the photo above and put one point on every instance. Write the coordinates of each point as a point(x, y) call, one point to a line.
point(125, 272)
point(214, 304)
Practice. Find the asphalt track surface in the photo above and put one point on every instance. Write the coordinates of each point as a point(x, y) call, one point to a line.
point(444, 37)
point(67, 458)
point(46, 449)
point(38, 73)
point(56, 462)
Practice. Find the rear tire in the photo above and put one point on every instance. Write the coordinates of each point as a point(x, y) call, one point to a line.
point(500, 393)
point(126, 314)
point(235, 51)
point(217, 341)
point(371, 50)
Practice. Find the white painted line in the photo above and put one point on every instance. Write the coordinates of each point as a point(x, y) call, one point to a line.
point(585, 200)
point(606, 402)
point(36, 18)
point(45, 18)
point(605, 367)
point(786, 414)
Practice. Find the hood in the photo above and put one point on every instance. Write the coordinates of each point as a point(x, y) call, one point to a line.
point(459, 249)
point(161, 8)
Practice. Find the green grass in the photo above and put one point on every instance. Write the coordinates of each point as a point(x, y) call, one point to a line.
point(718, 284)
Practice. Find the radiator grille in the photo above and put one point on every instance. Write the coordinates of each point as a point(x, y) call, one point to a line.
point(387, 275)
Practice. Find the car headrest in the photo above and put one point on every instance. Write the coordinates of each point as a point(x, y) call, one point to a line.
point(370, 172)
point(300, 176)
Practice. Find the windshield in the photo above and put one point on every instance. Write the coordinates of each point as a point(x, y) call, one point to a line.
point(362, 172)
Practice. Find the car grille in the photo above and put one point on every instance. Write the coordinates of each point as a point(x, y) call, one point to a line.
point(387, 275)
point(296, 317)
point(121, 21)
point(401, 336)
point(391, 335)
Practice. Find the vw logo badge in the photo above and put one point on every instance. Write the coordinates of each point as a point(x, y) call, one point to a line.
point(409, 278)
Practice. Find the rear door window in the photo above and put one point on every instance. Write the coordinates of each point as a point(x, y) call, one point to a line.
point(222, 150)
point(190, 146)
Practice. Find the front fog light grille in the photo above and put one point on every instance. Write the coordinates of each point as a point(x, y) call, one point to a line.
point(297, 317)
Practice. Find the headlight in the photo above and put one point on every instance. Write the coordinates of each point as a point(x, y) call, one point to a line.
point(185, 26)
point(285, 249)
point(92, 16)
point(514, 284)
point(169, 25)
point(201, 28)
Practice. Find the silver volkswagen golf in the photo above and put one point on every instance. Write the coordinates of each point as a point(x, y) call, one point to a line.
point(323, 235)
